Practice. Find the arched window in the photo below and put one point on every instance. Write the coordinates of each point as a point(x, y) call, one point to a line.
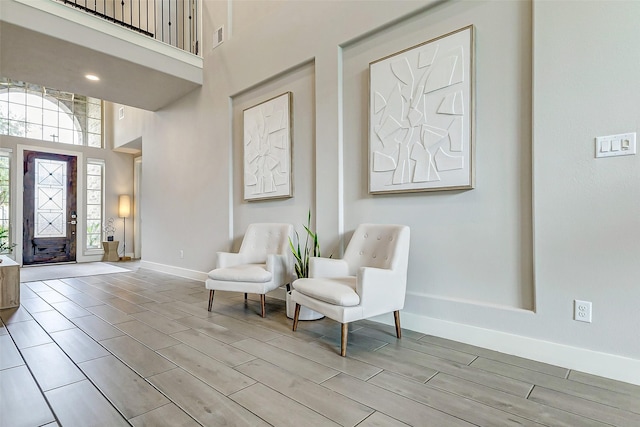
point(37, 112)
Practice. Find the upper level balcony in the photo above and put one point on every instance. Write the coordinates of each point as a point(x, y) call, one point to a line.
point(144, 52)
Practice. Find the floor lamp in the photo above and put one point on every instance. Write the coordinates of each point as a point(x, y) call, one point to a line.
point(124, 212)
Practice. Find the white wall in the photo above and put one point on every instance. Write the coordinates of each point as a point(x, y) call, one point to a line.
point(478, 272)
point(126, 127)
point(475, 245)
point(587, 210)
point(300, 82)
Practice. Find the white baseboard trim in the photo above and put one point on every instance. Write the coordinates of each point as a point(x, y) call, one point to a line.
point(593, 362)
point(175, 271)
point(88, 258)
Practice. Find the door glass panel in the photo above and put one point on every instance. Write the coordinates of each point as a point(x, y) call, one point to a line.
point(50, 198)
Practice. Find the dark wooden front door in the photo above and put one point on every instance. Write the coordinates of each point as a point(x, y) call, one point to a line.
point(50, 216)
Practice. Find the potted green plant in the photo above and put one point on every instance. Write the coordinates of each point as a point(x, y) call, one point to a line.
point(302, 255)
point(5, 246)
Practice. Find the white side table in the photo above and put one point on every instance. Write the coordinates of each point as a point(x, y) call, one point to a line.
point(9, 283)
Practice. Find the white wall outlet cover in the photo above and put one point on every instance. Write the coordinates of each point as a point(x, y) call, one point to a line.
point(121, 113)
point(582, 311)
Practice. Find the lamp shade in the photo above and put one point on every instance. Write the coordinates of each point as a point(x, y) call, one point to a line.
point(124, 206)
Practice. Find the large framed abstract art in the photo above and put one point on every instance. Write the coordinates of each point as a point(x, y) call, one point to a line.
point(421, 117)
point(267, 149)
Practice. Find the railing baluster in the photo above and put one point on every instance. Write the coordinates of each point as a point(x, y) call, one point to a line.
point(155, 16)
point(195, 33)
point(180, 19)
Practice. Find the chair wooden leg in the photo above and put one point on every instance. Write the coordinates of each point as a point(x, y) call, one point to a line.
point(396, 316)
point(262, 304)
point(343, 344)
point(210, 299)
point(295, 317)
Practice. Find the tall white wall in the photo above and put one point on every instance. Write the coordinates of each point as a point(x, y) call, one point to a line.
point(498, 265)
point(587, 210)
point(126, 127)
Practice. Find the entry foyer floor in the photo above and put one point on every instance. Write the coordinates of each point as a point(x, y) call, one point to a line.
point(141, 349)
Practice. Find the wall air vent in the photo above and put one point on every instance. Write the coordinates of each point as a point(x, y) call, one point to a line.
point(218, 37)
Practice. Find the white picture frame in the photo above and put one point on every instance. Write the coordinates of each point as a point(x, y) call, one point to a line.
point(421, 117)
point(267, 149)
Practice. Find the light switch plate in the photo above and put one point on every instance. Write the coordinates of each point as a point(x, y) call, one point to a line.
point(623, 144)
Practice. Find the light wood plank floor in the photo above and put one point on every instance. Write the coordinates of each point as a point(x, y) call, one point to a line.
point(140, 349)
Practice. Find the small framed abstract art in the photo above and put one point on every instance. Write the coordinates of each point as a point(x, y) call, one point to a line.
point(421, 117)
point(267, 149)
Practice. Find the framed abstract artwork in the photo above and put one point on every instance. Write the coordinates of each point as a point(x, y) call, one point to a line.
point(421, 117)
point(267, 149)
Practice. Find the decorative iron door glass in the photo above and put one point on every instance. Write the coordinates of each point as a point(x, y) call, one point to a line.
point(421, 117)
point(49, 208)
point(267, 149)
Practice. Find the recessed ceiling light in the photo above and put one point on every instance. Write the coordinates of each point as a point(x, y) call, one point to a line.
point(92, 77)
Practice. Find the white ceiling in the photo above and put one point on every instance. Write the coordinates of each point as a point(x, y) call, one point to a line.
point(58, 46)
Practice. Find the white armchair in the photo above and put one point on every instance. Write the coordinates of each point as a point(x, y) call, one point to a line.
point(263, 263)
point(370, 279)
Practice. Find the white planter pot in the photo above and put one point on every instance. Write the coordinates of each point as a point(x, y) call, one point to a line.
point(305, 313)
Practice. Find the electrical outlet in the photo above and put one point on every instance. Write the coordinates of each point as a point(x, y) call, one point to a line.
point(181, 254)
point(582, 311)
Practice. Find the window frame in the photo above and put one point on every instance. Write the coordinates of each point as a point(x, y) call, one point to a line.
point(7, 153)
point(97, 249)
point(37, 118)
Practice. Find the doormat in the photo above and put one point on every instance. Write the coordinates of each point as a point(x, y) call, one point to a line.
point(63, 271)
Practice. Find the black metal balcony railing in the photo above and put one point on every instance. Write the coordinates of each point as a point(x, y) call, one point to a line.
point(172, 21)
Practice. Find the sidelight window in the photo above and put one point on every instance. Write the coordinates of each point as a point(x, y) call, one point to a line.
point(95, 192)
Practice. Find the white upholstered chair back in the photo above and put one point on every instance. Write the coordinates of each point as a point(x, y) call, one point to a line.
point(369, 280)
point(379, 246)
point(262, 239)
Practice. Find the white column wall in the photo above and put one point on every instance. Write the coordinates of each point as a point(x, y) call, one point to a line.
point(587, 210)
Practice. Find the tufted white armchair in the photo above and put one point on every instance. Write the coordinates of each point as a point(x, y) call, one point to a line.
point(263, 263)
point(370, 279)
